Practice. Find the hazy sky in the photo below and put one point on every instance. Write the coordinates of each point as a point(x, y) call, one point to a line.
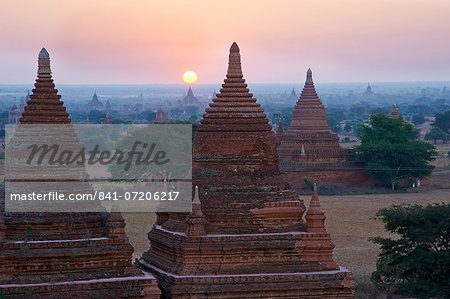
point(144, 41)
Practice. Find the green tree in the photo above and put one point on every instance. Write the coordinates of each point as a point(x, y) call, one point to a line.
point(442, 121)
point(418, 119)
point(436, 134)
point(389, 153)
point(416, 262)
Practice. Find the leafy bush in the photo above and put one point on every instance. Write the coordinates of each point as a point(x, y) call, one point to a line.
point(417, 261)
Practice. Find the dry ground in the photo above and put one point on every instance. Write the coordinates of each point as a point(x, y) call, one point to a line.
point(351, 221)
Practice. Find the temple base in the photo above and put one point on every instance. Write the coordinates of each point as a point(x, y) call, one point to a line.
point(322, 284)
point(120, 287)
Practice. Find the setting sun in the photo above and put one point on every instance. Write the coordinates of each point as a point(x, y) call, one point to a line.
point(190, 77)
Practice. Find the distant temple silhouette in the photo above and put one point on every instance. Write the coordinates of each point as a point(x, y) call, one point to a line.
point(369, 92)
point(94, 104)
point(394, 112)
point(189, 99)
point(308, 147)
point(160, 117)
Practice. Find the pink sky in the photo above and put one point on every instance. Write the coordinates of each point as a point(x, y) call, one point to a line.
point(143, 41)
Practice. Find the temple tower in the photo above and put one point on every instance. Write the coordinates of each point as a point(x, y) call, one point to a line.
point(244, 236)
point(160, 117)
point(108, 106)
point(107, 119)
point(95, 104)
point(189, 99)
point(308, 147)
point(394, 112)
point(14, 114)
point(66, 254)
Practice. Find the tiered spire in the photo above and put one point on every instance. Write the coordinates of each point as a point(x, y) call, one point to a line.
point(116, 227)
point(235, 121)
point(309, 113)
point(309, 128)
point(108, 119)
point(280, 127)
point(27, 98)
point(45, 105)
point(234, 109)
point(190, 93)
point(394, 113)
point(108, 106)
point(315, 217)
point(196, 219)
point(160, 117)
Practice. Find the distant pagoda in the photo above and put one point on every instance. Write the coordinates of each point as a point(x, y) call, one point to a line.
point(293, 96)
point(394, 112)
point(246, 236)
point(189, 99)
point(14, 114)
point(107, 119)
point(160, 117)
point(309, 148)
point(64, 255)
point(369, 92)
point(95, 104)
point(108, 106)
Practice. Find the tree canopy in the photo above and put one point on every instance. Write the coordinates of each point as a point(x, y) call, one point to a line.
point(436, 134)
point(442, 121)
point(390, 154)
point(417, 261)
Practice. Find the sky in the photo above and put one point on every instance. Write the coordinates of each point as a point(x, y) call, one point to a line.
point(147, 41)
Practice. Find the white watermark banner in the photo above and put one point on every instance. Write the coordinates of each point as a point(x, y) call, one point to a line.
point(76, 168)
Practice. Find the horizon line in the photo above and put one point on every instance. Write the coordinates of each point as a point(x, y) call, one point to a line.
point(259, 83)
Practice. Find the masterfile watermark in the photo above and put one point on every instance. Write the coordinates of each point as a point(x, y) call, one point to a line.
point(53, 153)
point(77, 168)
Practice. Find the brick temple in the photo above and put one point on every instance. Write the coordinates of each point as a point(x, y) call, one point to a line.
point(308, 147)
point(246, 236)
point(394, 112)
point(65, 255)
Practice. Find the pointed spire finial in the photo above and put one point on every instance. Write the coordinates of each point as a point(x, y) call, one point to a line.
point(309, 76)
point(108, 119)
point(234, 62)
point(44, 62)
point(44, 54)
point(280, 126)
point(315, 203)
point(234, 47)
point(196, 197)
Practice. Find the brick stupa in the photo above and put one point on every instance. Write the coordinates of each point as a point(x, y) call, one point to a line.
point(308, 147)
point(246, 236)
point(65, 255)
point(160, 118)
point(394, 112)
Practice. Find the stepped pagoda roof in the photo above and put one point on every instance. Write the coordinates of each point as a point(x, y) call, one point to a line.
point(45, 105)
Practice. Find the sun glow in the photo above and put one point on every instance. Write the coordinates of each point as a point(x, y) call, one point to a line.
point(190, 77)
